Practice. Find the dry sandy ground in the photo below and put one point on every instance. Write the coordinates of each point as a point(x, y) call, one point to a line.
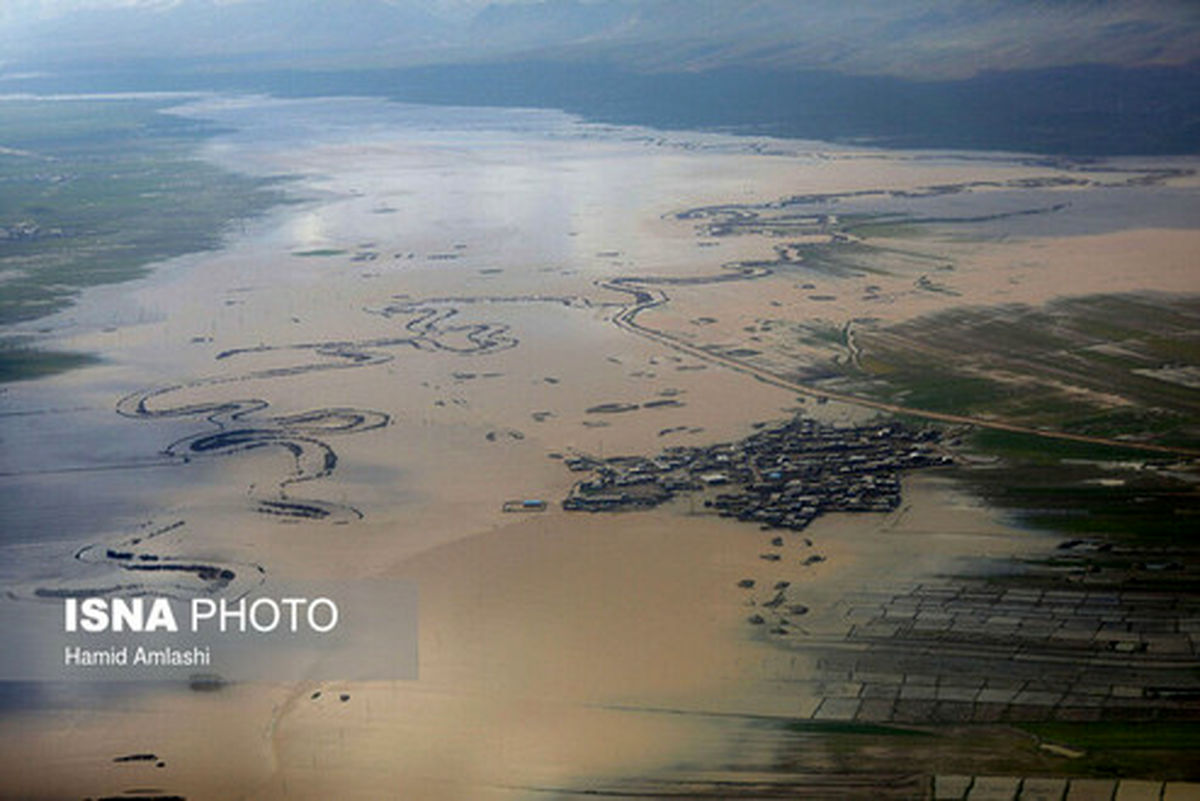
point(547, 640)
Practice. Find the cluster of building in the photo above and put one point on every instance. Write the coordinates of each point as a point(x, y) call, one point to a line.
point(782, 477)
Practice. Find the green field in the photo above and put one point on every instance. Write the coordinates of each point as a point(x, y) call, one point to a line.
point(1089, 365)
point(1162, 750)
point(93, 192)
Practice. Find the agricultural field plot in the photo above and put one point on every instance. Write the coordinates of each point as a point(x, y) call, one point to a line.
point(1111, 365)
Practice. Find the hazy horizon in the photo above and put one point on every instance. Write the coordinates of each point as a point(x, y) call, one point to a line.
point(930, 39)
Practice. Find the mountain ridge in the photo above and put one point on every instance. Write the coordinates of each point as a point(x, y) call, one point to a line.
point(929, 40)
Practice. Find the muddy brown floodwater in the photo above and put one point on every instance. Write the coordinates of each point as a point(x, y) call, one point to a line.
point(355, 385)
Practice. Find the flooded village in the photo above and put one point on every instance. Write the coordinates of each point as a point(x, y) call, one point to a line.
point(779, 477)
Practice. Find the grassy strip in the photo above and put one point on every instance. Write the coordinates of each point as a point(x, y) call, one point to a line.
point(1120, 736)
point(1035, 450)
point(831, 727)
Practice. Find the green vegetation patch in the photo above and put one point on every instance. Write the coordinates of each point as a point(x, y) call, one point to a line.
point(1086, 489)
point(1124, 736)
point(883, 227)
point(19, 363)
point(93, 191)
point(840, 259)
point(1162, 750)
point(318, 252)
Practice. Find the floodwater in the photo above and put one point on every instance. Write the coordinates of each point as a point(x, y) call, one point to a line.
point(355, 384)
